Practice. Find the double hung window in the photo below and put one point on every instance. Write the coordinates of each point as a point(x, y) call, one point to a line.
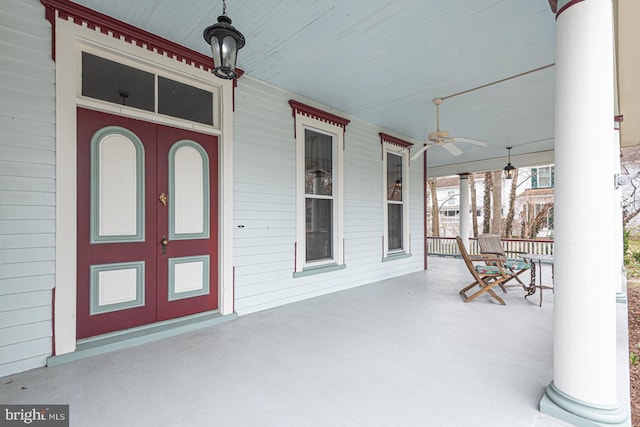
point(319, 189)
point(396, 197)
point(319, 196)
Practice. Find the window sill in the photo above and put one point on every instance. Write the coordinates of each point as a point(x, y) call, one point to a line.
point(310, 271)
point(395, 256)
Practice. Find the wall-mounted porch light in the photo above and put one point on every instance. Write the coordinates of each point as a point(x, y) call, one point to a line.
point(509, 171)
point(225, 42)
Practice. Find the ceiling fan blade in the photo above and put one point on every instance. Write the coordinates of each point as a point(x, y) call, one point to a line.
point(470, 141)
point(420, 151)
point(452, 149)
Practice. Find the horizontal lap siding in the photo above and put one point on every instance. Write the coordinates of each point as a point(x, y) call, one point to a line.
point(265, 205)
point(27, 186)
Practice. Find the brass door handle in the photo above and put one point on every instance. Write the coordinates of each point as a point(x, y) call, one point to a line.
point(164, 242)
point(163, 198)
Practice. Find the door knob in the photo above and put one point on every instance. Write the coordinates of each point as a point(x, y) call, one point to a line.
point(164, 242)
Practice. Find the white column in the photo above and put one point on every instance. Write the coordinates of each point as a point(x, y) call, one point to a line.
point(584, 388)
point(465, 216)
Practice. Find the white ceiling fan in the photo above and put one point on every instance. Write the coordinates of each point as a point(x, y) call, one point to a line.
point(442, 138)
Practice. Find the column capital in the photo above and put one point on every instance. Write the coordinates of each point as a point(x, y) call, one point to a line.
point(464, 175)
point(559, 6)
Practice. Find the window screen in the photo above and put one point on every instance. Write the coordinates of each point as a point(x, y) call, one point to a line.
point(113, 82)
point(185, 102)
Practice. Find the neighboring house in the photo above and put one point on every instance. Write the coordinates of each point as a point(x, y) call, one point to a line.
point(255, 198)
point(534, 191)
point(536, 197)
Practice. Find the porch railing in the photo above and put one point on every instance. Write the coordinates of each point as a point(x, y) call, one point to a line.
point(446, 246)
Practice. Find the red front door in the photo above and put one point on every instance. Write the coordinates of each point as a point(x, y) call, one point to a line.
point(147, 223)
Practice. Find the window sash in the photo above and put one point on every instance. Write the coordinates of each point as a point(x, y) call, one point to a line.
point(395, 178)
point(319, 218)
point(319, 228)
point(395, 224)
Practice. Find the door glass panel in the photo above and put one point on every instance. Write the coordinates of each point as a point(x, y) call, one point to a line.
point(117, 83)
point(183, 101)
point(319, 231)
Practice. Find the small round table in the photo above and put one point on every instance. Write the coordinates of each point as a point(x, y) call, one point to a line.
point(540, 259)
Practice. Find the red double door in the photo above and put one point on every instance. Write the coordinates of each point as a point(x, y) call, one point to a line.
point(147, 223)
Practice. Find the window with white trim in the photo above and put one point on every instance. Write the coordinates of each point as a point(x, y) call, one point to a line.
point(319, 174)
point(542, 177)
point(396, 199)
point(319, 196)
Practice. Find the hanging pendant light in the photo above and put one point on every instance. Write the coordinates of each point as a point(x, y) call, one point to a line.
point(225, 42)
point(509, 171)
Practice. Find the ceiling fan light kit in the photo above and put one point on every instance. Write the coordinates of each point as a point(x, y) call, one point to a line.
point(442, 138)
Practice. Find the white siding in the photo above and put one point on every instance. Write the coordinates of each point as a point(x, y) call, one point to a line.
point(264, 205)
point(27, 186)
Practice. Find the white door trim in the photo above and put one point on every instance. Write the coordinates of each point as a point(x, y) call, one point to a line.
point(69, 39)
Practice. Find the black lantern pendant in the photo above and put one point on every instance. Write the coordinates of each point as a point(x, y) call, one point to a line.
point(225, 42)
point(509, 171)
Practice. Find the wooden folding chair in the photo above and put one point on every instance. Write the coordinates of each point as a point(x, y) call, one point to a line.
point(490, 244)
point(486, 275)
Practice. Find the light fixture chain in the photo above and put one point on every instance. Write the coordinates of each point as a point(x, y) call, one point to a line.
point(224, 8)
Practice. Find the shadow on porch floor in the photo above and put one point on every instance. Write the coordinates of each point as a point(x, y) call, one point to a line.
point(401, 352)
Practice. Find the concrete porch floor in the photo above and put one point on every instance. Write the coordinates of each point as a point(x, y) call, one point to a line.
point(400, 352)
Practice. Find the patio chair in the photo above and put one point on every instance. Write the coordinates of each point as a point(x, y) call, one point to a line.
point(486, 276)
point(490, 244)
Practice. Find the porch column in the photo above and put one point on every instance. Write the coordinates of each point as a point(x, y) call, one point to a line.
point(465, 216)
point(584, 386)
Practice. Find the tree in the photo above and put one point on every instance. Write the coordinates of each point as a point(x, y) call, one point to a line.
point(486, 223)
point(535, 225)
point(474, 205)
point(508, 226)
point(435, 210)
point(630, 202)
point(496, 200)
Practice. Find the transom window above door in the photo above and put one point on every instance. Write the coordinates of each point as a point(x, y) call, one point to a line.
point(122, 84)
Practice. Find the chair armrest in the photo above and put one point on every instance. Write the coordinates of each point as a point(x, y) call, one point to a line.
point(486, 257)
point(493, 253)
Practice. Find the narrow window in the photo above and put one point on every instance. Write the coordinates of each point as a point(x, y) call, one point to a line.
point(395, 173)
point(319, 137)
point(395, 203)
point(319, 196)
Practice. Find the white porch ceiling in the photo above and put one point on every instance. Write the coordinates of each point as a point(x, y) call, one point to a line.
point(383, 61)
